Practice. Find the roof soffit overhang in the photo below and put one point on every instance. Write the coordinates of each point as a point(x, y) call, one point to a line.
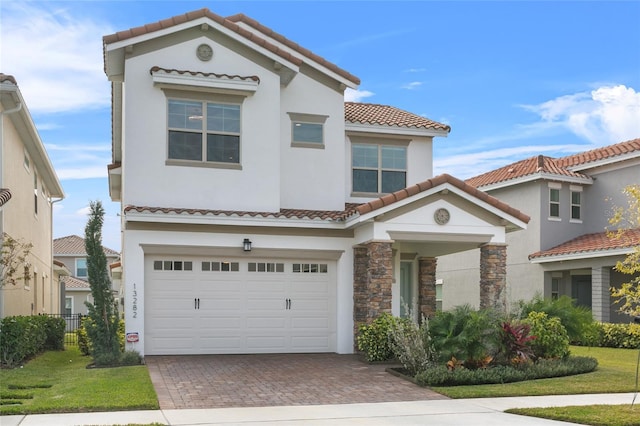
point(115, 181)
point(446, 190)
point(591, 254)
point(11, 97)
point(360, 128)
point(552, 177)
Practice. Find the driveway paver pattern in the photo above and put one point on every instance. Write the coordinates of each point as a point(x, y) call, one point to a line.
point(217, 381)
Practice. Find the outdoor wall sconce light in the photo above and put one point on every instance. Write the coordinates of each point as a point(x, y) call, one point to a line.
point(246, 244)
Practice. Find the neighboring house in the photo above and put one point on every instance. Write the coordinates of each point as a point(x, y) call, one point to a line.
point(565, 249)
point(262, 213)
point(30, 187)
point(71, 252)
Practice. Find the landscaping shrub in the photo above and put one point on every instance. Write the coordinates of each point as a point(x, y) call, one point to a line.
point(130, 358)
point(84, 344)
point(54, 329)
point(373, 339)
point(21, 337)
point(411, 344)
point(515, 341)
point(577, 320)
point(609, 335)
point(544, 368)
point(465, 334)
point(552, 340)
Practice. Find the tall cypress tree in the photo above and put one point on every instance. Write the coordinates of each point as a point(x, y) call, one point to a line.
point(102, 327)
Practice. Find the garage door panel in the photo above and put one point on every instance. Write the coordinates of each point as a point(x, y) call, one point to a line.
point(240, 311)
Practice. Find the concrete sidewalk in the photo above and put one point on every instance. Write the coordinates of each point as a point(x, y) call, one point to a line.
point(477, 412)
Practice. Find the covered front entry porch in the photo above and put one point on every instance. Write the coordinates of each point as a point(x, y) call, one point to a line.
point(399, 238)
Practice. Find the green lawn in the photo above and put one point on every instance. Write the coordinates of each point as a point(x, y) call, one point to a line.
point(596, 415)
point(615, 373)
point(58, 382)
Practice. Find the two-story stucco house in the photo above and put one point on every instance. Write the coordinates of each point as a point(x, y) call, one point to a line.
point(262, 213)
point(565, 249)
point(71, 252)
point(30, 186)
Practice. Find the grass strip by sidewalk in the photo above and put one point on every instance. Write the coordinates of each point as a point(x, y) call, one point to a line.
point(74, 388)
point(615, 373)
point(596, 415)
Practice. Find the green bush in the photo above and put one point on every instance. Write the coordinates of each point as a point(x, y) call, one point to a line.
point(411, 344)
point(577, 320)
point(552, 340)
point(373, 339)
point(54, 329)
point(544, 368)
point(469, 335)
point(611, 335)
point(130, 358)
point(21, 337)
point(84, 344)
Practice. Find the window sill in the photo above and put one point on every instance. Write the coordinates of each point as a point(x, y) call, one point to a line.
point(554, 219)
point(575, 221)
point(313, 145)
point(208, 165)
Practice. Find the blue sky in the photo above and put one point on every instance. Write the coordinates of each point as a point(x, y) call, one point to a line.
point(513, 79)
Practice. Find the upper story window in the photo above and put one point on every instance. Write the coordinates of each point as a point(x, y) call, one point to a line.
point(554, 201)
point(26, 161)
point(378, 169)
point(35, 192)
point(576, 203)
point(81, 268)
point(307, 130)
point(204, 131)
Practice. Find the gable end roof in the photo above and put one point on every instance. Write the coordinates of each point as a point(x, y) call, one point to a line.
point(434, 182)
point(231, 24)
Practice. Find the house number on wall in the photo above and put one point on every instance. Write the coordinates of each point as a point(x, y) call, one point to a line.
point(135, 301)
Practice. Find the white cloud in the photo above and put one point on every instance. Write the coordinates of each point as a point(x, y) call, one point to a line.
point(416, 70)
point(351, 95)
point(83, 211)
point(56, 58)
point(88, 172)
point(608, 114)
point(413, 85)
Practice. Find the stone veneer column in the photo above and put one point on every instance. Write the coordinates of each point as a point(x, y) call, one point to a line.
point(600, 299)
point(493, 276)
point(372, 279)
point(427, 286)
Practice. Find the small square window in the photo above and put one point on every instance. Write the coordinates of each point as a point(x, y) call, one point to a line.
point(157, 265)
point(235, 267)
point(206, 266)
point(177, 266)
point(296, 267)
point(168, 265)
point(279, 267)
point(215, 266)
point(323, 268)
point(251, 267)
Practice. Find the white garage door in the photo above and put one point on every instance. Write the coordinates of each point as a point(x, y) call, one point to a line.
point(216, 306)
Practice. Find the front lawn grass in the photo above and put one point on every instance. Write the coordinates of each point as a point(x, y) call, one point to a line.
point(596, 415)
point(59, 382)
point(615, 373)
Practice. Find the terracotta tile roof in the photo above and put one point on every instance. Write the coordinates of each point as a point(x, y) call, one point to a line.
point(530, 166)
point(5, 195)
point(436, 181)
point(233, 26)
point(328, 215)
point(76, 283)
point(72, 244)
point(295, 46)
point(384, 115)
point(115, 265)
point(556, 166)
point(600, 153)
point(7, 78)
point(590, 243)
point(205, 74)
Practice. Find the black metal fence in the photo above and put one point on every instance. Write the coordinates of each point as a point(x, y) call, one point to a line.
point(73, 322)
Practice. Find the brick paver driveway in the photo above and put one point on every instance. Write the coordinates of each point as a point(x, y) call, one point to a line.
point(214, 381)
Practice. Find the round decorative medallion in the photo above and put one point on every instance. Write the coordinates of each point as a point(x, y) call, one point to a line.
point(441, 216)
point(204, 52)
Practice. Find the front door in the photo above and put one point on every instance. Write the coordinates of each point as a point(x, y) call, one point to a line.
point(581, 290)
